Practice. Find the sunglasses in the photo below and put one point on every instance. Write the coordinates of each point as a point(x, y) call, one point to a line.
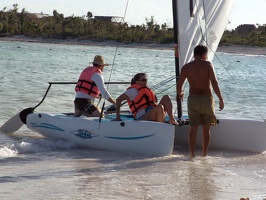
point(144, 80)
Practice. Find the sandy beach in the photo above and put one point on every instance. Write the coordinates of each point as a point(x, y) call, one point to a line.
point(243, 50)
point(226, 49)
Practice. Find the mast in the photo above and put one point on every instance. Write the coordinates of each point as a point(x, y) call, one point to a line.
point(177, 68)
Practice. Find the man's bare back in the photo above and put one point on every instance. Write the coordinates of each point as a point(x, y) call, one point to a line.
point(199, 74)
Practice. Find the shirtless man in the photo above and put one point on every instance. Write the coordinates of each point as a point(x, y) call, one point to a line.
point(200, 74)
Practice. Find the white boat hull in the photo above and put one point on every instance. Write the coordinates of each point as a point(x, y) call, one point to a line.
point(149, 138)
point(230, 134)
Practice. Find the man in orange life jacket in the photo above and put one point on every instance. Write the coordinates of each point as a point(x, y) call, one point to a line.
point(143, 102)
point(90, 85)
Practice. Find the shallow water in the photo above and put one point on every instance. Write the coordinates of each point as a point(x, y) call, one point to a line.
point(33, 167)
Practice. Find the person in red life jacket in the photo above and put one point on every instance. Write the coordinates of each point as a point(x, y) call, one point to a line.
point(90, 85)
point(143, 102)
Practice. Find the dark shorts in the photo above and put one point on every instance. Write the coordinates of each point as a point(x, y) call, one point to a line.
point(85, 105)
point(201, 110)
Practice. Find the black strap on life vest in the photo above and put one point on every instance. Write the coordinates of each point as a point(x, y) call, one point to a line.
point(147, 102)
point(89, 90)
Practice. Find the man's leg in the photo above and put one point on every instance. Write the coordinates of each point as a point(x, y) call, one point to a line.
point(206, 135)
point(192, 140)
point(92, 111)
point(77, 112)
point(97, 113)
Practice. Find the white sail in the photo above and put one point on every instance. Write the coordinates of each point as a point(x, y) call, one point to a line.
point(201, 22)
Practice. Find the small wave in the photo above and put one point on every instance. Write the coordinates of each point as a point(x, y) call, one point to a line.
point(6, 152)
point(33, 145)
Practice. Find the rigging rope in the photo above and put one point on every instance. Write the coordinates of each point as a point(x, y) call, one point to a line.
point(116, 49)
point(242, 90)
point(111, 72)
point(162, 83)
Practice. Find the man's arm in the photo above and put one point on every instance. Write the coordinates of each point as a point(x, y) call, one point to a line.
point(216, 88)
point(179, 84)
point(111, 100)
point(121, 98)
point(99, 81)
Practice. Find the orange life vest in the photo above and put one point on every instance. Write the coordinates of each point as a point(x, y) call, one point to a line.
point(85, 84)
point(144, 99)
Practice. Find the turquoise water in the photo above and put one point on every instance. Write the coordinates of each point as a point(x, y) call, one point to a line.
point(26, 71)
point(36, 168)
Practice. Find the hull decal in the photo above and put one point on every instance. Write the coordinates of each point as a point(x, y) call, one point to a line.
point(45, 125)
point(130, 138)
point(84, 134)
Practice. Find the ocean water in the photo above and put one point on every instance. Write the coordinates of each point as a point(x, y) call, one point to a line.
point(33, 167)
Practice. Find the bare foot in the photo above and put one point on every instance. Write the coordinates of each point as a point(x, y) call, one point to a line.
point(173, 121)
point(192, 155)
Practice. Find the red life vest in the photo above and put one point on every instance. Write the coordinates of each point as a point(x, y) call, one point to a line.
point(85, 84)
point(144, 99)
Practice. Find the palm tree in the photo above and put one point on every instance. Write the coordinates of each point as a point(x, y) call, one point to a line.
point(23, 18)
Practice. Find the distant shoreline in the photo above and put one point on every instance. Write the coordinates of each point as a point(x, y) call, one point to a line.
point(234, 49)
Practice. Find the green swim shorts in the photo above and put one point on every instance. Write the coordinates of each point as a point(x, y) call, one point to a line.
point(201, 110)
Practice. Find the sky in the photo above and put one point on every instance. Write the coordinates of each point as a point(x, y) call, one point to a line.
point(244, 12)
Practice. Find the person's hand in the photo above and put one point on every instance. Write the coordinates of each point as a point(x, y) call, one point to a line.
point(221, 104)
point(180, 97)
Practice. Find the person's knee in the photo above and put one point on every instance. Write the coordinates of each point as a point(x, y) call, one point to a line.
point(166, 97)
point(160, 108)
point(77, 112)
point(97, 113)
